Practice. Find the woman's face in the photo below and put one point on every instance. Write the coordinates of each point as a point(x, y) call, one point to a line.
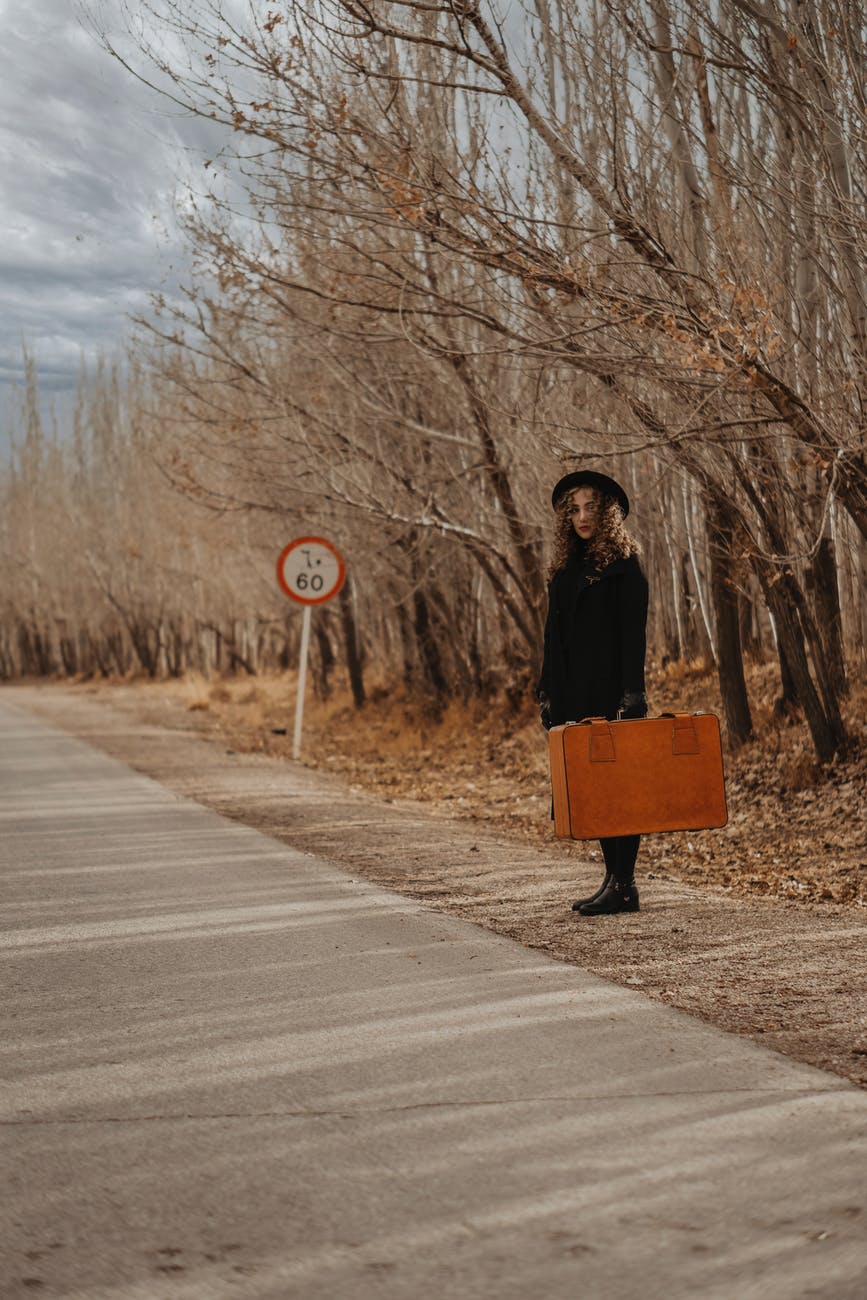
point(583, 510)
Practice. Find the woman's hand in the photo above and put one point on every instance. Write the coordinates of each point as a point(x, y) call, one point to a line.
point(633, 704)
point(545, 711)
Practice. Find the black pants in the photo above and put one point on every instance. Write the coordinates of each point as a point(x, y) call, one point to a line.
point(620, 852)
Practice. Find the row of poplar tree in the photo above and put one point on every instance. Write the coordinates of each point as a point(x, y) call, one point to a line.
point(448, 252)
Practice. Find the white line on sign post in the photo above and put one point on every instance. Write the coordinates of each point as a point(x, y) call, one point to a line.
point(302, 682)
point(311, 571)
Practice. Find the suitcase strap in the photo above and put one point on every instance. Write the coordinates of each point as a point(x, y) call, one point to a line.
point(684, 738)
point(601, 740)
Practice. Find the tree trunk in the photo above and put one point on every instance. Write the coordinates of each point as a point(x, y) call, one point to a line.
point(407, 645)
point(788, 702)
point(750, 634)
point(475, 657)
point(730, 664)
point(354, 659)
point(435, 681)
point(822, 584)
point(677, 646)
point(697, 575)
point(324, 660)
point(693, 643)
point(791, 640)
point(829, 694)
point(526, 550)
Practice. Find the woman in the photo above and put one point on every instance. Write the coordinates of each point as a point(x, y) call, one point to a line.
point(595, 641)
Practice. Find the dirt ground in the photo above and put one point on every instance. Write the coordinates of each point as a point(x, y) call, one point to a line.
point(793, 831)
point(759, 929)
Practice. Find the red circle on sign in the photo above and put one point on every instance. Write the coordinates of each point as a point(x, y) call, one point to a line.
point(296, 595)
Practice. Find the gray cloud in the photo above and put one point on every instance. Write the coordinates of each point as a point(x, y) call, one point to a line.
point(89, 160)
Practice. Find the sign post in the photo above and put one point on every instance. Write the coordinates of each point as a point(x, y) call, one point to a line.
point(302, 682)
point(311, 571)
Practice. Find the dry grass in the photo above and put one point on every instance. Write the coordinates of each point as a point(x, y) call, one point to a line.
point(795, 830)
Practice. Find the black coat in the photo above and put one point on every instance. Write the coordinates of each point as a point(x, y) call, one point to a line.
point(595, 639)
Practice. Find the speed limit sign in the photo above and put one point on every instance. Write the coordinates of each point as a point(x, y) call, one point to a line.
point(311, 570)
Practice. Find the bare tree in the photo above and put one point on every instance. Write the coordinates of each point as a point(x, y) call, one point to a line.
point(475, 244)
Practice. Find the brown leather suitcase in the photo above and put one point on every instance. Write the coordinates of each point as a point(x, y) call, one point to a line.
point(636, 776)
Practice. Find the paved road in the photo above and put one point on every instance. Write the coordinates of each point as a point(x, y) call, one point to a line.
point(231, 1070)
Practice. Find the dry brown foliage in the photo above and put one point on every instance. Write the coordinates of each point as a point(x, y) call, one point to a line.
point(795, 830)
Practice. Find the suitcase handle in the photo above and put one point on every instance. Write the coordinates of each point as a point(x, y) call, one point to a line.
point(601, 740)
point(684, 738)
point(698, 713)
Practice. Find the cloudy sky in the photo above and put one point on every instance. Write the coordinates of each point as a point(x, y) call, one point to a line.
point(90, 162)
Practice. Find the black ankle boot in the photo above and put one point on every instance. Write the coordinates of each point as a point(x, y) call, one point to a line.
point(591, 898)
point(618, 896)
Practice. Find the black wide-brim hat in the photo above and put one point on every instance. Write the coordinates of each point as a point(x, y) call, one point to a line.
point(589, 478)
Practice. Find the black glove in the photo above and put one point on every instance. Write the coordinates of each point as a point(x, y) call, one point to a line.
point(545, 712)
point(633, 704)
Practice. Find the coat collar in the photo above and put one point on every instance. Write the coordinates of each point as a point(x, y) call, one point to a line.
point(590, 577)
point(586, 577)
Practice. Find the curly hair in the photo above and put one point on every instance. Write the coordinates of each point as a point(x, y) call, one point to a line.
point(610, 542)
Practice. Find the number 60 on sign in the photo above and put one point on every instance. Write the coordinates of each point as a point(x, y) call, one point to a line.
point(311, 570)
